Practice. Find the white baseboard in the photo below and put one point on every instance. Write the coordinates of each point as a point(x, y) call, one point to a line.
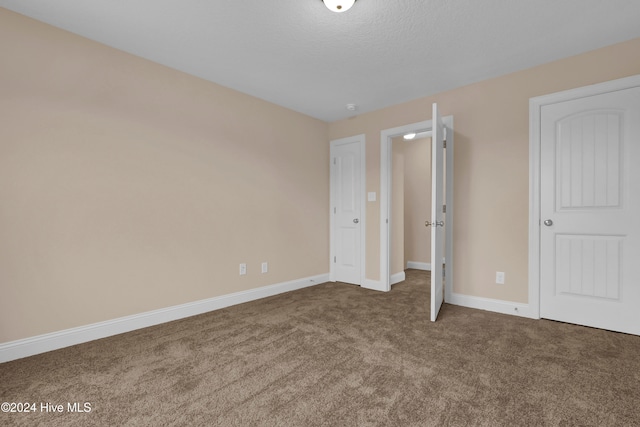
point(397, 278)
point(42, 343)
point(419, 265)
point(495, 305)
point(375, 285)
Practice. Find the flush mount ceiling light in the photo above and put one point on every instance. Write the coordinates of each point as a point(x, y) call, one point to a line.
point(338, 5)
point(409, 136)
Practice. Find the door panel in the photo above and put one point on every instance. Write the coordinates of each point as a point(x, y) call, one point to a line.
point(590, 205)
point(588, 266)
point(589, 160)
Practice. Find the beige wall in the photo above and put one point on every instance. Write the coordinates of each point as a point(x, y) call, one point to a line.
point(417, 200)
point(491, 177)
point(126, 186)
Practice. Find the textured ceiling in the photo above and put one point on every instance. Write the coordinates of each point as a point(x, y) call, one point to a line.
point(298, 54)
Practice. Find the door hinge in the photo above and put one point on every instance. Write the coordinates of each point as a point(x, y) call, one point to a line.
point(444, 208)
point(334, 160)
point(444, 144)
point(334, 259)
point(334, 210)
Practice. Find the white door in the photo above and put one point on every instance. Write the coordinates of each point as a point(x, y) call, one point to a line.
point(346, 199)
point(437, 216)
point(590, 211)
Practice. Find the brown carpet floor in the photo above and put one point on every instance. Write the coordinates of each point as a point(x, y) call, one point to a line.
point(338, 355)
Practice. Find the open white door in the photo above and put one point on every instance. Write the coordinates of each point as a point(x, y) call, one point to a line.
point(437, 216)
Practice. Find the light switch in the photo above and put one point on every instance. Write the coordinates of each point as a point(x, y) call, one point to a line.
point(371, 196)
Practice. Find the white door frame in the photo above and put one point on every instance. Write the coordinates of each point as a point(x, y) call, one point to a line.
point(535, 112)
point(360, 139)
point(386, 143)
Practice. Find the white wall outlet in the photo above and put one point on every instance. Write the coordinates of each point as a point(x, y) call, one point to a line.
point(500, 277)
point(265, 267)
point(371, 196)
point(243, 269)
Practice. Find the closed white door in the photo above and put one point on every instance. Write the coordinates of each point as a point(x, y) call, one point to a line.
point(437, 216)
point(590, 211)
point(346, 189)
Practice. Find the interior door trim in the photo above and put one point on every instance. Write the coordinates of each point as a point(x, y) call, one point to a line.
point(535, 113)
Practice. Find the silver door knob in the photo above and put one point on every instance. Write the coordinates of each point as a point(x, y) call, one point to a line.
point(355, 221)
point(548, 222)
point(434, 223)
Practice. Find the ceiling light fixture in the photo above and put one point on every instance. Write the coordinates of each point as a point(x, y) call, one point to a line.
point(409, 136)
point(339, 5)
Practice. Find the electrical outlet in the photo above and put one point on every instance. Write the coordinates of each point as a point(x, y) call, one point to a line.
point(243, 269)
point(265, 267)
point(500, 277)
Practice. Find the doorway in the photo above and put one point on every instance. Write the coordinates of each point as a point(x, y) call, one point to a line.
point(386, 222)
point(410, 200)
